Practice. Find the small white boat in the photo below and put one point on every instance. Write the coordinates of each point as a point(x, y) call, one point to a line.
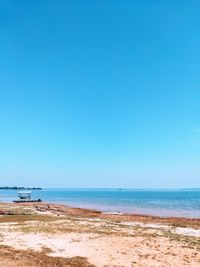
point(25, 196)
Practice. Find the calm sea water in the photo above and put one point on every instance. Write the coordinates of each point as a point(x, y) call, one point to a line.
point(156, 202)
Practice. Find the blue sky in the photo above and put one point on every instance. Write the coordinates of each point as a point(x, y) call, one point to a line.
point(100, 93)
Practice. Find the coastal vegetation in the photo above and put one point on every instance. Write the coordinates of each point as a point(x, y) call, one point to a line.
point(19, 188)
point(22, 258)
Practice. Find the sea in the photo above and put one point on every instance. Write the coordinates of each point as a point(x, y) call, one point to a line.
point(164, 203)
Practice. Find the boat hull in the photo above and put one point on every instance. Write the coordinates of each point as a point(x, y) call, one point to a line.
point(27, 201)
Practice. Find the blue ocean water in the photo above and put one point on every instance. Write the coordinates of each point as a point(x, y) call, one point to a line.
point(155, 202)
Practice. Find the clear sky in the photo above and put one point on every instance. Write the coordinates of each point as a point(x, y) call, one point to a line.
point(100, 93)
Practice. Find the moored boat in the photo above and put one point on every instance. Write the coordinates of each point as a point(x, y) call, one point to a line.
point(25, 197)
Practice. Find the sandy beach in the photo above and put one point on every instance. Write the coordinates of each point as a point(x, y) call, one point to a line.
point(56, 235)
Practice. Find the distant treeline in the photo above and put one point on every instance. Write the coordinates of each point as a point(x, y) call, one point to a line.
point(19, 188)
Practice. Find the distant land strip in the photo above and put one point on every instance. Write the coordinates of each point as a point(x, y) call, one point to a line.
point(19, 188)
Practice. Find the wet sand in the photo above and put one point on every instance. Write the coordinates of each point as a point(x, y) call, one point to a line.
point(58, 235)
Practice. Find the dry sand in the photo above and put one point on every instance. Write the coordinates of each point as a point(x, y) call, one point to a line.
point(88, 238)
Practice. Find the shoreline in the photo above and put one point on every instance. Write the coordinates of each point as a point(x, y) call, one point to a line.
point(52, 235)
point(176, 203)
point(112, 212)
point(62, 209)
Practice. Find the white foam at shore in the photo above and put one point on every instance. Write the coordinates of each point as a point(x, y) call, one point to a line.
point(113, 213)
